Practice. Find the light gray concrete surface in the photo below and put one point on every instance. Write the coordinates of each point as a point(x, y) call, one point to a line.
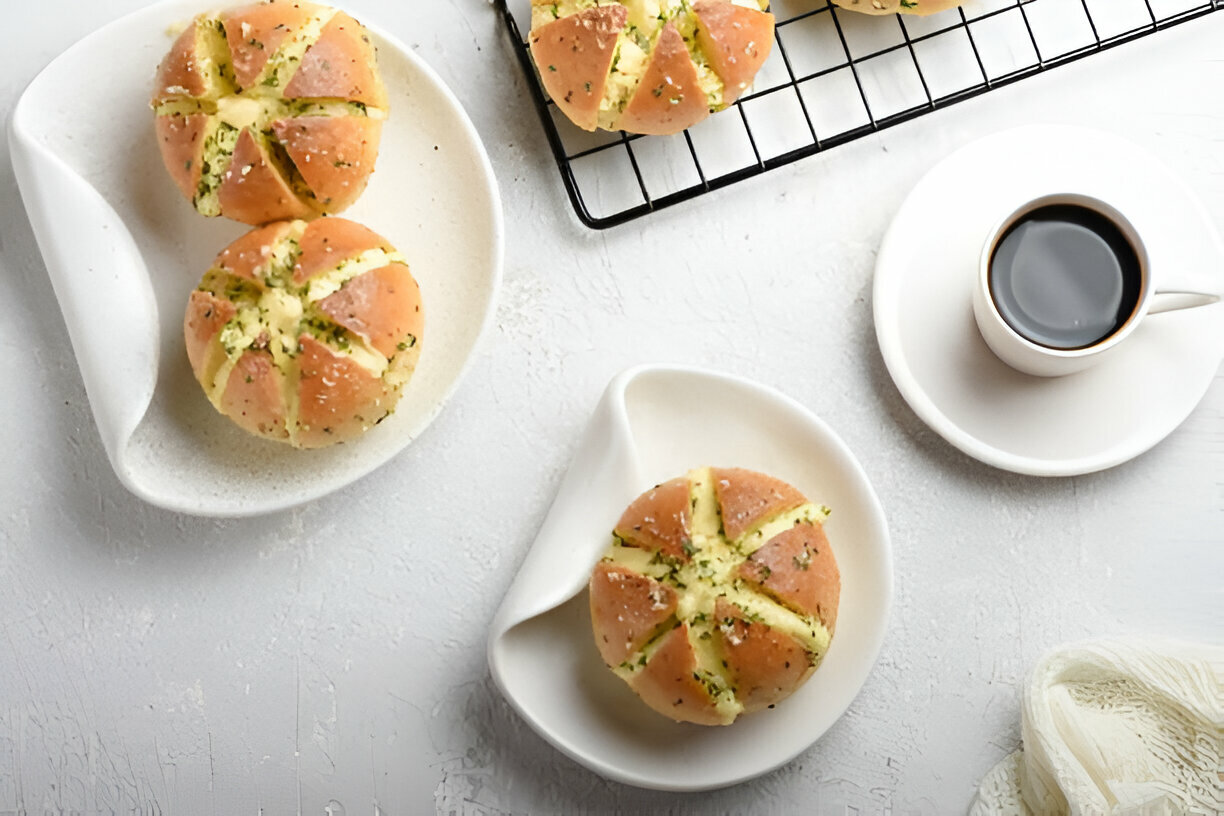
point(331, 659)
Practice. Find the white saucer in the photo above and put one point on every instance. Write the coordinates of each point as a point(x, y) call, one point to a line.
point(1060, 426)
point(653, 424)
point(124, 250)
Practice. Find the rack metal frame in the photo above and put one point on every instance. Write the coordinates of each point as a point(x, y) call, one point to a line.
point(818, 142)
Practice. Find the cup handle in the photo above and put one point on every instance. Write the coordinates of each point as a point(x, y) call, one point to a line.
point(1171, 300)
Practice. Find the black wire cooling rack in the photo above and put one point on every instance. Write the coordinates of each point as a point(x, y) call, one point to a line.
point(833, 76)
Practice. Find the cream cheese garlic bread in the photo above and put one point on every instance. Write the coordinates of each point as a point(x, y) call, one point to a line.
point(920, 7)
point(270, 111)
point(305, 333)
point(718, 595)
point(648, 66)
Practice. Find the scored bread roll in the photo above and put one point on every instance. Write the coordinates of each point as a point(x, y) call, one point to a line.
point(718, 595)
point(305, 333)
point(647, 66)
point(919, 7)
point(270, 111)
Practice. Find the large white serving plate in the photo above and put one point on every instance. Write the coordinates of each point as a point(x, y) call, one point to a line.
point(124, 250)
point(655, 423)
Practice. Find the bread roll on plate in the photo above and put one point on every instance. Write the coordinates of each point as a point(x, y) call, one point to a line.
point(718, 595)
point(919, 7)
point(305, 332)
point(270, 111)
point(647, 66)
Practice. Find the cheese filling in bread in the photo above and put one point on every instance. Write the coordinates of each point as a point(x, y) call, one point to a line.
point(679, 585)
point(214, 162)
point(694, 56)
point(306, 333)
point(284, 63)
point(270, 111)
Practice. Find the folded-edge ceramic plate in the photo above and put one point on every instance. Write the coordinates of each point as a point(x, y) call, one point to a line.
point(1045, 426)
point(655, 423)
point(124, 250)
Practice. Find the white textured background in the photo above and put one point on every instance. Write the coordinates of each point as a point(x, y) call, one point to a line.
point(331, 659)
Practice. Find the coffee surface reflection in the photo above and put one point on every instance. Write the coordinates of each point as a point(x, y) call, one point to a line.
point(1065, 276)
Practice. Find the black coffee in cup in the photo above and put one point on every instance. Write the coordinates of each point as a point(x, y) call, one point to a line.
point(1065, 276)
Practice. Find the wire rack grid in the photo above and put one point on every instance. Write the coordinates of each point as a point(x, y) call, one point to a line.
point(834, 76)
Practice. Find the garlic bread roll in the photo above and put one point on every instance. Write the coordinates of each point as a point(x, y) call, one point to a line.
point(718, 595)
point(305, 333)
point(919, 7)
point(648, 66)
point(270, 111)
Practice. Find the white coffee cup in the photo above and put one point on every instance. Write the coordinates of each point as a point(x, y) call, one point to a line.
point(1027, 353)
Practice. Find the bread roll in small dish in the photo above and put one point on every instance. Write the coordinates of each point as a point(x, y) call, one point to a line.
point(648, 66)
point(305, 332)
point(919, 7)
point(270, 111)
point(718, 595)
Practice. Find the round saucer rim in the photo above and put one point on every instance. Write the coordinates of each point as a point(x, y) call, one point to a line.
point(917, 396)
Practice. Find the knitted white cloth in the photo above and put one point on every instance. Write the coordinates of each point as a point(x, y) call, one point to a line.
point(1116, 729)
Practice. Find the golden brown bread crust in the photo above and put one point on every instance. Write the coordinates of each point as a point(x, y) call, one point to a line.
point(668, 99)
point(252, 74)
point(324, 244)
point(764, 665)
point(310, 361)
point(669, 685)
point(747, 497)
point(718, 595)
point(371, 307)
point(340, 65)
point(736, 40)
point(253, 191)
point(574, 54)
point(255, 33)
point(919, 7)
point(334, 154)
point(617, 66)
point(181, 139)
point(627, 609)
point(659, 519)
point(249, 256)
point(340, 398)
point(206, 316)
point(813, 590)
point(180, 72)
point(253, 397)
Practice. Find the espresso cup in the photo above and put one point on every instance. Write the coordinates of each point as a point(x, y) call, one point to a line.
point(1063, 280)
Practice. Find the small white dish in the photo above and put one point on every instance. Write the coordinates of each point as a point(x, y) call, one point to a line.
point(124, 250)
point(923, 295)
point(654, 423)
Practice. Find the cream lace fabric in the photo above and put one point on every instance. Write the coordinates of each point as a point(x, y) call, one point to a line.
point(1116, 729)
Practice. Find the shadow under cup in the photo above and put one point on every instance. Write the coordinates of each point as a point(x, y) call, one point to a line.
point(1067, 273)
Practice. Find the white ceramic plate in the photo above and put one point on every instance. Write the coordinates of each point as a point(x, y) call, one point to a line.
point(124, 249)
point(655, 423)
point(1061, 426)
